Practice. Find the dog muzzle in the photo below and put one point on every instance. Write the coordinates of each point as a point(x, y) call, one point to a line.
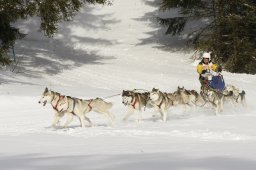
point(44, 103)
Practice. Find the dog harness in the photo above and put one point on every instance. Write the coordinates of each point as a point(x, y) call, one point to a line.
point(74, 103)
point(90, 105)
point(160, 104)
point(55, 107)
point(163, 98)
point(134, 102)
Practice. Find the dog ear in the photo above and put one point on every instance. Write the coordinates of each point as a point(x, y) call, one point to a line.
point(154, 89)
point(46, 89)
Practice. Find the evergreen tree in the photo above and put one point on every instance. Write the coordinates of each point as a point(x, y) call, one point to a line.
point(51, 12)
point(10, 11)
point(230, 32)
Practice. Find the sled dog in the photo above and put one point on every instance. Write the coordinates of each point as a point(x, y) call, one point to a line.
point(163, 101)
point(214, 97)
point(135, 101)
point(70, 106)
point(189, 97)
point(234, 95)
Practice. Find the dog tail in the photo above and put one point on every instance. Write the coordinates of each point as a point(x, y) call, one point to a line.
point(243, 95)
point(109, 105)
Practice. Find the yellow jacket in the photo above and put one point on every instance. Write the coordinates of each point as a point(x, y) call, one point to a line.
point(202, 67)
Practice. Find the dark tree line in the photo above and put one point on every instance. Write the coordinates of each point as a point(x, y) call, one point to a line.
point(229, 31)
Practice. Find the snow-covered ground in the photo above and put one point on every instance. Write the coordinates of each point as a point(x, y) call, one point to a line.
point(103, 51)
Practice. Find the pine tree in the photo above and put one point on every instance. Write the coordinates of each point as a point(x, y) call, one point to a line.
point(10, 11)
point(241, 21)
point(51, 12)
point(230, 32)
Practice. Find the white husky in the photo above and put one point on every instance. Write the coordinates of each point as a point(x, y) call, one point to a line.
point(73, 106)
point(189, 97)
point(234, 95)
point(161, 101)
point(136, 102)
point(214, 97)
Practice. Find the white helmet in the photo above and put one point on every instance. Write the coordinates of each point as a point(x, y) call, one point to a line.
point(207, 55)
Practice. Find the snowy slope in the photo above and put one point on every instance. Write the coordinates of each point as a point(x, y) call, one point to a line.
point(103, 51)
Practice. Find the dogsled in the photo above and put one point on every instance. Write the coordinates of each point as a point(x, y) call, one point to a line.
point(213, 81)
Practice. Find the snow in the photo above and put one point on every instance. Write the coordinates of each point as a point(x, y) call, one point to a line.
point(103, 51)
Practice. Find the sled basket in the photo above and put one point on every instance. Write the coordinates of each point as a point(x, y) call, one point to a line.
point(217, 83)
